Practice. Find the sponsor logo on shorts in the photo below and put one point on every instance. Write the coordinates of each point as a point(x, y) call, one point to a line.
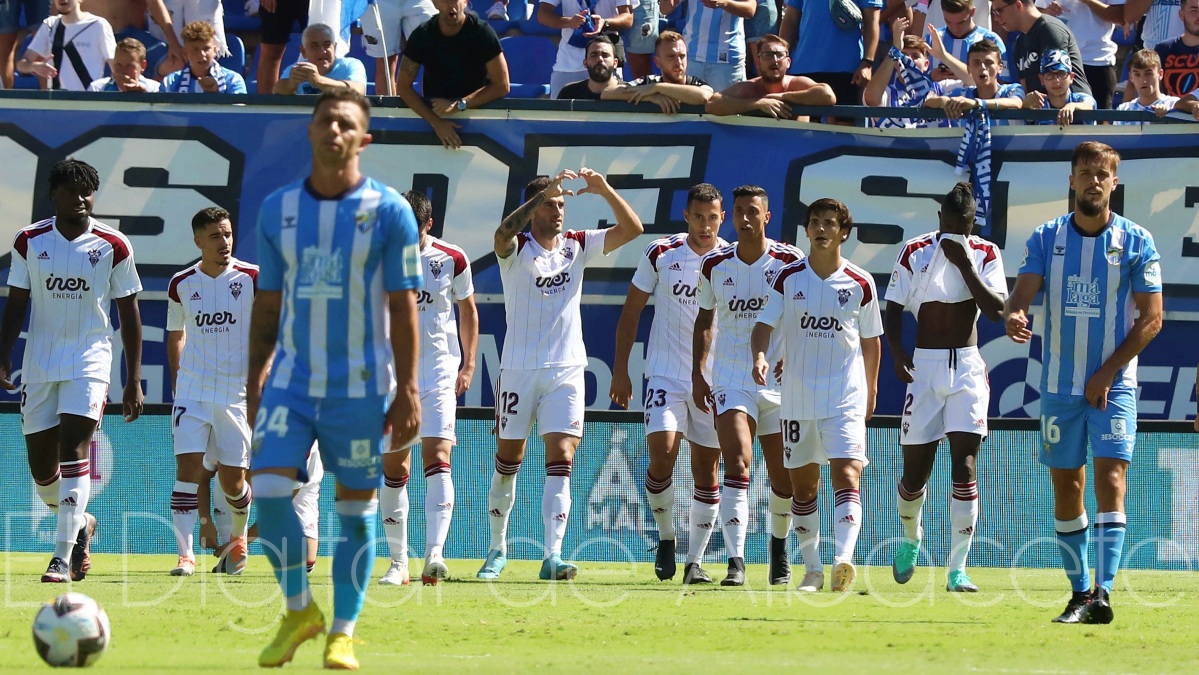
point(720, 399)
point(360, 456)
point(906, 427)
point(1119, 431)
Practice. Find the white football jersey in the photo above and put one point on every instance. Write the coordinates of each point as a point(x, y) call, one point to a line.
point(71, 284)
point(542, 291)
point(821, 323)
point(214, 315)
point(923, 274)
point(447, 280)
point(669, 272)
point(738, 292)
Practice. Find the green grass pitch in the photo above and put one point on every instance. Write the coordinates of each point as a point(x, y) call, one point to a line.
point(619, 618)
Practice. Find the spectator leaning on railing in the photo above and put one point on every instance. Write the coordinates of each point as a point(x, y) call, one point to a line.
point(128, 64)
point(1056, 79)
point(601, 72)
point(670, 89)
point(1180, 55)
point(202, 74)
point(1092, 23)
point(321, 70)
point(464, 68)
point(835, 43)
point(774, 91)
point(986, 91)
point(1145, 76)
point(715, 33)
point(1040, 34)
point(69, 50)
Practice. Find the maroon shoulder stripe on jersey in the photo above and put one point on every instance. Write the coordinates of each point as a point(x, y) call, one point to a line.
point(781, 253)
point(522, 238)
point(578, 236)
point(173, 289)
point(986, 246)
point(867, 293)
point(120, 250)
point(787, 271)
point(459, 258)
point(21, 245)
point(713, 259)
point(655, 251)
point(906, 255)
point(251, 272)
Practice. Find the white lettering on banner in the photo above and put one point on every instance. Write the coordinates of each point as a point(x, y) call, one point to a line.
point(18, 172)
point(1183, 466)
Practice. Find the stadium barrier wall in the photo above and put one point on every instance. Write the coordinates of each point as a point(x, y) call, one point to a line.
point(162, 158)
point(133, 475)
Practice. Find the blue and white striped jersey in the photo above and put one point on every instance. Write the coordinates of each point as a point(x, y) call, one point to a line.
point(959, 47)
point(1089, 282)
point(714, 35)
point(335, 260)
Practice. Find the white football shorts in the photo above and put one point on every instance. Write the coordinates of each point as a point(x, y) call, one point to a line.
point(43, 402)
point(398, 16)
point(219, 430)
point(438, 415)
point(307, 498)
point(760, 404)
point(817, 441)
point(669, 406)
point(551, 396)
point(950, 392)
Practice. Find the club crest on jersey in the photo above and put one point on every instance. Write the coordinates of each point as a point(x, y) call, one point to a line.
point(435, 268)
point(364, 220)
point(843, 296)
point(568, 253)
point(770, 275)
point(720, 399)
point(235, 289)
point(93, 256)
point(906, 427)
point(1114, 254)
point(43, 256)
point(675, 267)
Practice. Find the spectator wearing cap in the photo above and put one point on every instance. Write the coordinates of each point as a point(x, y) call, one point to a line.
point(1040, 33)
point(1092, 22)
point(321, 70)
point(128, 63)
point(1056, 77)
point(202, 74)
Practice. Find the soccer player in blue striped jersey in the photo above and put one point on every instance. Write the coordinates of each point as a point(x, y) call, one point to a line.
point(715, 33)
point(1103, 305)
point(339, 261)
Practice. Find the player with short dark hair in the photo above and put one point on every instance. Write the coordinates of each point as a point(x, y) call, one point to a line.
point(669, 270)
point(1103, 305)
point(65, 271)
point(945, 279)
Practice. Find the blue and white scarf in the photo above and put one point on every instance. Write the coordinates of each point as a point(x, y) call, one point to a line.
point(184, 82)
point(974, 155)
point(915, 87)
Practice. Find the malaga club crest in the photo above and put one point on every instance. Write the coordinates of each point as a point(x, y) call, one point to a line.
point(364, 220)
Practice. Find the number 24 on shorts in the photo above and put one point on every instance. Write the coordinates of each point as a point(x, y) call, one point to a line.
point(274, 422)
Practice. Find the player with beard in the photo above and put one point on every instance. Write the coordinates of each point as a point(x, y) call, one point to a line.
point(1103, 305)
point(601, 71)
point(773, 92)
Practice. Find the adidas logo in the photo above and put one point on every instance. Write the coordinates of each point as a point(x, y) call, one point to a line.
point(728, 281)
point(798, 296)
point(906, 518)
point(969, 530)
point(847, 520)
point(705, 526)
point(390, 521)
point(675, 267)
point(801, 529)
point(495, 513)
point(446, 505)
point(196, 295)
point(43, 256)
point(734, 521)
point(561, 517)
point(659, 510)
point(69, 501)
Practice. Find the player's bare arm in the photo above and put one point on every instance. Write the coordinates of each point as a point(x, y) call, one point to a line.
point(621, 389)
point(872, 354)
point(403, 417)
point(176, 339)
point(759, 344)
point(1015, 312)
point(1144, 328)
point(989, 302)
point(264, 331)
point(893, 331)
point(10, 329)
point(701, 344)
point(505, 234)
point(628, 225)
point(131, 340)
point(468, 337)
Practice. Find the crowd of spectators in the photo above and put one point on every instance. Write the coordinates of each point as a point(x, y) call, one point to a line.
point(729, 56)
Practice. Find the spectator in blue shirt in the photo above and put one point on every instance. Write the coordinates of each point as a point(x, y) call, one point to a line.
point(984, 65)
point(960, 31)
point(840, 55)
point(715, 32)
point(128, 63)
point(1056, 78)
point(202, 74)
point(321, 70)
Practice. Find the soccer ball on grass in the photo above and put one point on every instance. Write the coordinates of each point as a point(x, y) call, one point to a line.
point(71, 630)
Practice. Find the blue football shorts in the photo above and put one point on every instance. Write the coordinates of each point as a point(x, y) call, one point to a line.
point(1069, 422)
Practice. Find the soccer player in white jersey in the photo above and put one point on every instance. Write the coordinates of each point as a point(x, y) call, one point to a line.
point(446, 370)
point(669, 270)
point(542, 364)
point(733, 284)
point(208, 331)
point(826, 311)
point(66, 270)
point(1103, 305)
point(334, 327)
point(945, 279)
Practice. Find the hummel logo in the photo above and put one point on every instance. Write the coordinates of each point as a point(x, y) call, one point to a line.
point(675, 267)
point(799, 296)
point(196, 295)
point(43, 256)
point(847, 519)
point(728, 281)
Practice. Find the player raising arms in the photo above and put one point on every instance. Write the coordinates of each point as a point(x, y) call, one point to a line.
point(670, 271)
point(208, 362)
point(1103, 305)
point(945, 278)
point(447, 281)
point(67, 270)
point(541, 367)
point(733, 284)
point(335, 309)
point(826, 309)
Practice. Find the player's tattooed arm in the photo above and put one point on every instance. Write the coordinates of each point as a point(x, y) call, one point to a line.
point(264, 331)
point(131, 340)
point(505, 234)
point(10, 329)
point(701, 344)
point(893, 332)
